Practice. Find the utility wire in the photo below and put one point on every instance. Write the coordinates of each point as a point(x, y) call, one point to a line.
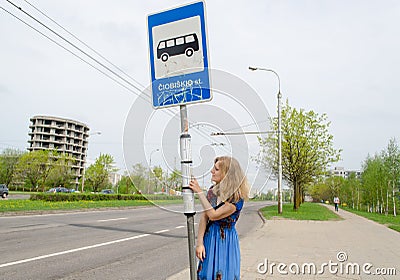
point(86, 45)
point(71, 52)
point(74, 46)
point(169, 111)
point(245, 125)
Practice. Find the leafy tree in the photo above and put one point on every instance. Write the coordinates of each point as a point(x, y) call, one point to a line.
point(373, 186)
point(334, 184)
point(174, 180)
point(158, 175)
point(351, 191)
point(35, 167)
point(98, 173)
point(62, 173)
point(8, 165)
point(126, 186)
point(319, 191)
point(307, 149)
point(391, 161)
point(139, 177)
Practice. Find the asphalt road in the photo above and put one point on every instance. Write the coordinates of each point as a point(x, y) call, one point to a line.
point(143, 243)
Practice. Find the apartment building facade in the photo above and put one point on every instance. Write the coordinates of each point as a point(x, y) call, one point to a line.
point(63, 135)
point(342, 172)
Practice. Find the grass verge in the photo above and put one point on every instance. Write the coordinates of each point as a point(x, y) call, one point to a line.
point(307, 211)
point(388, 220)
point(38, 205)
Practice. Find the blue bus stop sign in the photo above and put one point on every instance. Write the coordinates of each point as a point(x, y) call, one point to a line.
point(178, 56)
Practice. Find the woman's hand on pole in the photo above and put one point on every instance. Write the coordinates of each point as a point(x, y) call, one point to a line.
point(194, 185)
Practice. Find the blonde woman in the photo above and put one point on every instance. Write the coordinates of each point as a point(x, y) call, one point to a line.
point(217, 240)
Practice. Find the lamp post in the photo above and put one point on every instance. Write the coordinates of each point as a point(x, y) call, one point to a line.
point(84, 163)
point(279, 136)
point(148, 183)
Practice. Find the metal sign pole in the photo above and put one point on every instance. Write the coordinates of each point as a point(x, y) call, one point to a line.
point(188, 196)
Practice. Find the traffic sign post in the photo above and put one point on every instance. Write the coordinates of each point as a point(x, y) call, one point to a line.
point(179, 76)
point(178, 56)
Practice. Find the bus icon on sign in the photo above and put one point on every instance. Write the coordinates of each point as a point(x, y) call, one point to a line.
point(186, 44)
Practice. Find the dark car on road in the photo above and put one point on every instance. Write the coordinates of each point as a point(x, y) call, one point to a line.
point(3, 191)
point(58, 190)
point(107, 191)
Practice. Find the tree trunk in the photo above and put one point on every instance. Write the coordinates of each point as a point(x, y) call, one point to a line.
point(394, 201)
point(297, 197)
point(387, 202)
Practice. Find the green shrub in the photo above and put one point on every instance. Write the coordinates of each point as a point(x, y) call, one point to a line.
point(98, 197)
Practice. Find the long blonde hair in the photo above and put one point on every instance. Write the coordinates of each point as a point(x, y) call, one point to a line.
point(234, 185)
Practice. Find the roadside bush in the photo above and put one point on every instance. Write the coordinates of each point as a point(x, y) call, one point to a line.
point(98, 197)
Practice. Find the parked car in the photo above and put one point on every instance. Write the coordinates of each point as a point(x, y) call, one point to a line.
point(3, 191)
point(107, 191)
point(58, 190)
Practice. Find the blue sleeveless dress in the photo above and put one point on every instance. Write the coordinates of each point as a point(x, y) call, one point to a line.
point(221, 242)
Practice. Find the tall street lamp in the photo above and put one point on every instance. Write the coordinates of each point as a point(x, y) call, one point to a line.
point(148, 183)
point(279, 136)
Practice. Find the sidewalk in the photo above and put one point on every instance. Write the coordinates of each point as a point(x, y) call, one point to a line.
point(295, 243)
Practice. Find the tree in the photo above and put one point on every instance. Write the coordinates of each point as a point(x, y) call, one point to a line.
point(374, 187)
point(61, 173)
point(98, 173)
point(138, 177)
point(391, 161)
point(158, 175)
point(350, 191)
point(35, 167)
point(307, 149)
point(175, 180)
point(126, 186)
point(327, 189)
point(8, 165)
point(319, 191)
point(335, 184)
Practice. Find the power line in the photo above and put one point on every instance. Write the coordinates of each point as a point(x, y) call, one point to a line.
point(246, 125)
point(168, 110)
point(86, 45)
point(73, 45)
point(71, 52)
point(241, 133)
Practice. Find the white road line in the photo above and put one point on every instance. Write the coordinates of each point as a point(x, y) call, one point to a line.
point(116, 219)
point(82, 248)
point(72, 251)
point(161, 231)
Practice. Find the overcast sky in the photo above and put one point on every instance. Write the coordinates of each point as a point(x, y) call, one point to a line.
point(338, 57)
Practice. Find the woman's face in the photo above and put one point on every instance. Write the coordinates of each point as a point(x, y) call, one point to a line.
point(216, 173)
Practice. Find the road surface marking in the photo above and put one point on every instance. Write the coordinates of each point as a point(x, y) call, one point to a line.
point(72, 251)
point(85, 247)
point(161, 231)
point(116, 219)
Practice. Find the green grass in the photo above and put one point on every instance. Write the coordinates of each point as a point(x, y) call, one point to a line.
point(389, 220)
point(307, 211)
point(38, 205)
